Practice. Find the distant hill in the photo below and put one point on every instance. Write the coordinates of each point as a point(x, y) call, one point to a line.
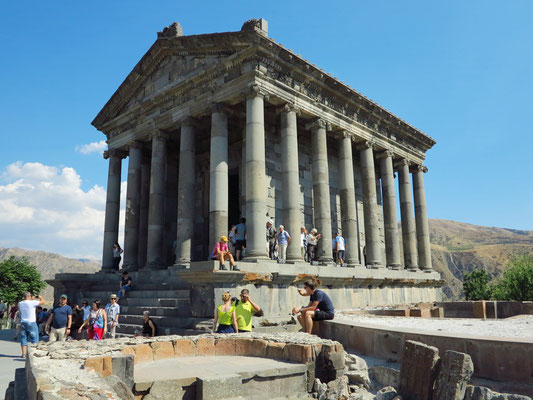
point(458, 248)
point(49, 264)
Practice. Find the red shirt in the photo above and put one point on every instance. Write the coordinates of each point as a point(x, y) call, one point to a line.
point(222, 247)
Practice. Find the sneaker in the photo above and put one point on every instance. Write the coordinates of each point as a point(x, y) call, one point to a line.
point(234, 268)
point(223, 267)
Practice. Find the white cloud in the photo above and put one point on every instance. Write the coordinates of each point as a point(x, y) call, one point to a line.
point(45, 208)
point(94, 147)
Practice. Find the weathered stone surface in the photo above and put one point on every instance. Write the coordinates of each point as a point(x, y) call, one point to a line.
point(184, 348)
point(164, 390)
point(455, 372)
point(356, 370)
point(205, 346)
point(418, 372)
point(275, 350)
point(143, 353)
point(225, 347)
point(218, 387)
point(162, 350)
point(338, 389)
point(121, 389)
point(386, 393)
point(123, 368)
point(384, 376)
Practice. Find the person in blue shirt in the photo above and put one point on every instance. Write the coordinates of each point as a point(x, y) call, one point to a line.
point(283, 241)
point(61, 321)
point(320, 306)
point(240, 239)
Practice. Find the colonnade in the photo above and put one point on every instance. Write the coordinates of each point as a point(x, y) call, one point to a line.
point(145, 205)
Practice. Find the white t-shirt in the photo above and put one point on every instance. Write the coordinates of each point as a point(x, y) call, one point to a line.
point(340, 241)
point(27, 310)
point(311, 239)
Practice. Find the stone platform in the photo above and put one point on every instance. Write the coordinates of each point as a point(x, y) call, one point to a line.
point(184, 299)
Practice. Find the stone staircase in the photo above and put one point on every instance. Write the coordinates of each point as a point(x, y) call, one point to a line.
point(168, 303)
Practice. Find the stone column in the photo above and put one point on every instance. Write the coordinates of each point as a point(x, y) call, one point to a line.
point(390, 216)
point(112, 206)
point(321, 197)
point(347, 195)
point(290, 178)
point(155, 257)
point(255, 175)
point(218, 176)
point(422, 225)
point(144, 210)
point(408, 221)
point(133, 206)
point(186, 192)
point(368, 175)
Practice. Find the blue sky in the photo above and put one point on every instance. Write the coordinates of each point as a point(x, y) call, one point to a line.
point(459, 71)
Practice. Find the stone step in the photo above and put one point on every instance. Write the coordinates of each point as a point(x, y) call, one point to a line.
point(21, 389)
point(137, 285)
point(179, 322)
point(154, 302)
point(104, 295)
point(184, 311)
point(130, 329)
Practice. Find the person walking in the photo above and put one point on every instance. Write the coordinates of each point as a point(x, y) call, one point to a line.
point(225, 316)
point(12, 313)
point(125, 284)
point(60, 320)
point(303, 242)
point(320, 306)
point(112, 310)
point(284, 238)
point(28, 321)
point(244, 310)
point(221, 253)
point(240, 239)
point(97, 322)
point(271, 239)
point(340, 248)
point(312, 241)
point(117, 251)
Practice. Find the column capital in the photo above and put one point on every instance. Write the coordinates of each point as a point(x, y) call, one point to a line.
point(136, 144)
point(220, 108)
point(189, 122)
point(255, 91)
point(418, 168)
point(115, 153)
point(367, 144)
point(158, 134)
point(318, 124)
point(385, 154)
point(289, 107)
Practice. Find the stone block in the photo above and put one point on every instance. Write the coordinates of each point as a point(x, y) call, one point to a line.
point(128, 351)
point(184, 348)
point(356, 370)
point(95, 364)
point(455, 372)
point(162, 350)
point(143, 386)
point(384, 376)
point(479, 309)
point(386, 393)
point(275, 350)
point(122, 390)
point(205, 346)
point(218, 387)
point(107, 363)
point(437, 312)
point(123, 368)
point(143, 353)
point(162, 390)
point(251, 347)
point(225, 347)
point(418, 371)
point(298, 353)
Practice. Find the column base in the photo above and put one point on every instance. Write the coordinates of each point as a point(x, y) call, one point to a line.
point(394, 266)
point(182, 264)
point(375, 266)
point(427, 270)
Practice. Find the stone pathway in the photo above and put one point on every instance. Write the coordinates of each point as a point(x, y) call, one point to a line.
point(191, 367)
point(9, 359)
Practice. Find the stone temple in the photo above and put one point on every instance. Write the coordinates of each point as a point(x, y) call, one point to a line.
point(227, 125)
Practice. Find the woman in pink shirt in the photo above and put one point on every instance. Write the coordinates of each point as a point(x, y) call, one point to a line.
point(221, 253)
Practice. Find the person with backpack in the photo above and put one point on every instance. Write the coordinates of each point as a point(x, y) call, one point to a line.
point(97, 322)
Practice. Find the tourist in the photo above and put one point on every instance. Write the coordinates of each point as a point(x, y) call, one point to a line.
point(320, 307)
point(3, 308)
point(231, 243)
point(340, 248)
point(112, 310)
point(225, 316)
point(283, 241)
point(221, 253)
point(312, 241)
point(271, 239)
point(240, 239)
point(244, 310)
point(303, 242)
point(28, 321)
point(12, 313)
point(97, 322)
point(117, 251)
point(60, 320)
point(42, 317)
point(77, 322)
point(86, 309)
point(149, 326)
point(334, 247)
point(125, 284)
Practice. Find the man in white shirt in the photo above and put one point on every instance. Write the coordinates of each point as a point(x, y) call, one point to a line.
point(340, 247)
point(112, 310)
point(28, 321)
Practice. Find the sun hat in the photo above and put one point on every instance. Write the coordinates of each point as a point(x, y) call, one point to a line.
point(224, 238)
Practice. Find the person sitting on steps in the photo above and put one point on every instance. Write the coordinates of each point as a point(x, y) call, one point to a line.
point(125, 285)
point(320, 307)
point(221, 253)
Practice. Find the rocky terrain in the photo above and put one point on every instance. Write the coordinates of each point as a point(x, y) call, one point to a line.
point(458, 248)
point(49, 264)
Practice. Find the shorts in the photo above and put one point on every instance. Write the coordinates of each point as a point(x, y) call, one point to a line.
point(29, 332)
point(225, 329)
point(322, 316)
point(240, 244)
point(340, 254)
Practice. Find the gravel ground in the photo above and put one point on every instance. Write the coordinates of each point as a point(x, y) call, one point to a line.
point(517, 327)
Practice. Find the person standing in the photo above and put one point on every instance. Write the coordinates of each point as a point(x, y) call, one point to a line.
point(320, 306)
point(28, 321)
point(3, 309)
point(112, 310)
point(61, 321)
point(283, 241)
point(86, 309)
point(117, 251)
point(244, 310)
point(12, 313)
point(225, 316)
point(303, 242)
point(340, 248)
point(334, 248)
point(97, 322)
point(240, 239)
point(312, 241)
point(271, 239)
point(231, 242)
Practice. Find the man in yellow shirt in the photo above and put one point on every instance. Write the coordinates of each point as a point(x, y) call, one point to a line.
point(244, 311)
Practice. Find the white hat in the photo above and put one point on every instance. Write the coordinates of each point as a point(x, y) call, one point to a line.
point(314, 230)
point(281, 227)
point(270, 221)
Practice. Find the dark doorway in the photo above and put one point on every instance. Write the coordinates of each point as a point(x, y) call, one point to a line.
point(234, 206)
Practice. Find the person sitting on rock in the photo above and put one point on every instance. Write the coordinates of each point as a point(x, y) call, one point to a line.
point(221, 253)
point(225, 316)
point(320, 306)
